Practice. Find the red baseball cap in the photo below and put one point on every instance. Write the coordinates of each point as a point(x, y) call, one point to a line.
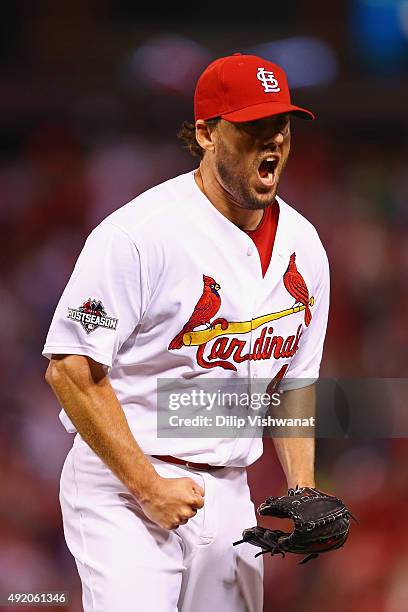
point(243, 88)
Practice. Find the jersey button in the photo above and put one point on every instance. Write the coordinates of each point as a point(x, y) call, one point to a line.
point(250, 251)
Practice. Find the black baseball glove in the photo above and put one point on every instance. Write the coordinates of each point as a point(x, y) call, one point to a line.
point(321, 521)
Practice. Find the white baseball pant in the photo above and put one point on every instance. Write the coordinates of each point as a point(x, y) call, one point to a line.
point(129, 564)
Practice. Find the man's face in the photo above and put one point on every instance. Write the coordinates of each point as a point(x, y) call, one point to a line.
point(249, 158)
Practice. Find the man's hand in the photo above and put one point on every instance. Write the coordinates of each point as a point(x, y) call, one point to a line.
point(170, 502)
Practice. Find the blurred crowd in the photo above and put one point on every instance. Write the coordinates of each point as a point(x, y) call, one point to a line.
point(60, 174)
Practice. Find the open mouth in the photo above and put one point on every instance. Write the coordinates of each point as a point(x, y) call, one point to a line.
point(267, 170)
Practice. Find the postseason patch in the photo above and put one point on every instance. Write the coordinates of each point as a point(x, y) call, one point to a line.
point(92, 315)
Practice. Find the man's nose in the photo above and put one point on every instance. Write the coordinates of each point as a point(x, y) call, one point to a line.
point(276, 139)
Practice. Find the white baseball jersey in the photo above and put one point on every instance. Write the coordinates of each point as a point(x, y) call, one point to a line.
point(149, 286)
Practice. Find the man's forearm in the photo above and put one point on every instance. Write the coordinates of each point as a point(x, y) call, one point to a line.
point(297, 454)
point(86, 395)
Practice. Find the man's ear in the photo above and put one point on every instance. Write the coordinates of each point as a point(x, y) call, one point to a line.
point(205, 135)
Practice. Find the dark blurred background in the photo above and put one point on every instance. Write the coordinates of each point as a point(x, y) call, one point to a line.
point(92, 93)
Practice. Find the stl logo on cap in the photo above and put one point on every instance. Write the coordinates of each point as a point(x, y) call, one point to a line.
point(267, 78)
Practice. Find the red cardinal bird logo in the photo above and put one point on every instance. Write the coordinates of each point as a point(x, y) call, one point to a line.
point(206, 308)
point(296, 286)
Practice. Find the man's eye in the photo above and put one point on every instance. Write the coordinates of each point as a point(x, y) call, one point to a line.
point(246, 125)
point(255, 126)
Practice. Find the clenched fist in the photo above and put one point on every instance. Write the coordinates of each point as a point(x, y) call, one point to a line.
point(170, 502)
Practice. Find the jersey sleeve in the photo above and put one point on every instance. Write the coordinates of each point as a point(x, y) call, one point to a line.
point(305, 365)
point(104, 300)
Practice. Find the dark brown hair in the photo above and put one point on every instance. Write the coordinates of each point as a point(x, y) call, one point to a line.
point(187, 135)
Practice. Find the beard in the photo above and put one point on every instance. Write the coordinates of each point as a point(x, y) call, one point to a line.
point(237, 186)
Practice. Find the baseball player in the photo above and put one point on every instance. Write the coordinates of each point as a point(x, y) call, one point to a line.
point(209, 274)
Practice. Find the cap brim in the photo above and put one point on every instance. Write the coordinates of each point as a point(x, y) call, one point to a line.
point(266, 109)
